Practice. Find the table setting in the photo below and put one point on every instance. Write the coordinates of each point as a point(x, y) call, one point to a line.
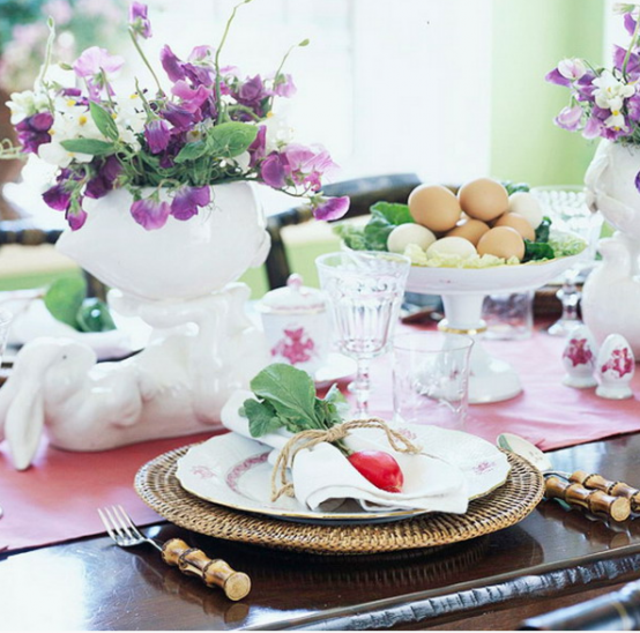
point(227, 453)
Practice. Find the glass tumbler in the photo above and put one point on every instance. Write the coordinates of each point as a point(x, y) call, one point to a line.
point(365, 291)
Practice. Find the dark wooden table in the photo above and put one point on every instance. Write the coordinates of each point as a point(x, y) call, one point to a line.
point(553, 558)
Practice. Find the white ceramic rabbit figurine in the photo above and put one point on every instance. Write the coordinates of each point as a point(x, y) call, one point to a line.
point(176, 386)
point(611, 293)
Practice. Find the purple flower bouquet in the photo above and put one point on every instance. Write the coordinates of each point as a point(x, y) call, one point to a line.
point(605, 102)
point(208, 126)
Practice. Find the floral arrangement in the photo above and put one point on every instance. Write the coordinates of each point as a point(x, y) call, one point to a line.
point(604, 102)
point(210, 126)
point(24, 33)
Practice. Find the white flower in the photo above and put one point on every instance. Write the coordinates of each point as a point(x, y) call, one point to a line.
point(611, 93)
point(25, 104)
point(70, 121)
point(616, 121)
point(572, 68)
point(279, 132)
point(130, 119)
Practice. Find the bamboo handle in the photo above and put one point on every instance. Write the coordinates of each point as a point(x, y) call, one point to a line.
point(596, 501)
point(213, 572)
point(613, 488)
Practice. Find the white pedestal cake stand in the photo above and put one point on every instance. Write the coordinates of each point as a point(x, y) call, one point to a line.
point(463, 291)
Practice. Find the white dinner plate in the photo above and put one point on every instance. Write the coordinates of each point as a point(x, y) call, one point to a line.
point(234, 472)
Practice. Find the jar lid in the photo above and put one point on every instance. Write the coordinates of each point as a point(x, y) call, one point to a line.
point(294, 298)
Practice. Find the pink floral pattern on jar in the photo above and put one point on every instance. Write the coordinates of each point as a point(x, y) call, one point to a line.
point(296, 346)
point(619, 362)
point(578, 352)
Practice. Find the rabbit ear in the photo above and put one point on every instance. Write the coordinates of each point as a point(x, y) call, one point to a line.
point(24, 423)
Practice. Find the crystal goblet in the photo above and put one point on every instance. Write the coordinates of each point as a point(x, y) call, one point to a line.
point(566, 207)
point(365, 291)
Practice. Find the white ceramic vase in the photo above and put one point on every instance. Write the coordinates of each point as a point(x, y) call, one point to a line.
point(611, 294)
point(203, 348)
point(183, 259)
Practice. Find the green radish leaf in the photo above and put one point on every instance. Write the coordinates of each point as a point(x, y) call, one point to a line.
point(290, 391)
point(64, 298)
point(90, 146)
point(104, 121)
point(262, 417)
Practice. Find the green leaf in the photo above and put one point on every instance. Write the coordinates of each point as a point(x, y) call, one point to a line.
point(262, 417)
point(90, 146)
point(353, 236)
point(230, 139)
point(542, 232)
point(64, 298)
point(394, 213)
point(104, 121)
point(191, 151)
point(537, 250)
point(290, 391)
point(94, 316)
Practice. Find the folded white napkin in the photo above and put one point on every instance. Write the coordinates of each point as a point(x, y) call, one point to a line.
point(323, 477)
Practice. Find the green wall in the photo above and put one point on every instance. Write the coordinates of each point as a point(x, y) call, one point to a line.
point(529, 38)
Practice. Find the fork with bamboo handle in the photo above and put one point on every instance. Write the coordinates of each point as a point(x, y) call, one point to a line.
point(593, 500)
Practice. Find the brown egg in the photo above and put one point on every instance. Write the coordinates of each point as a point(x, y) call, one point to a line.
point(519, 223)
point(484, 199)
point(501, 241)
point(435, 207)
point(470, 229)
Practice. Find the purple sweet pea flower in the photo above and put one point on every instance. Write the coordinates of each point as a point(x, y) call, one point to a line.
point(629, 23)
point(284, 87)
point(34, 131)
point(187, 200)
point(569, 118)
point(633, 63)
point(171, 64)
point(104, 180)
point(190, 99)
point(274, 170)
point(308, 165)
point(199, 73)
point(57, 197)
point(181, 118)
point(257, 149)
point(150, 214)
point(555, 77)
point(76, 218)
point(94, 60)
point(592, 128)
point(633, 107)
point(158, 135)
point(138, 20)
point(332, 208)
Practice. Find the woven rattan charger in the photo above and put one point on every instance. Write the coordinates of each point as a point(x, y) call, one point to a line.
point(159, 488)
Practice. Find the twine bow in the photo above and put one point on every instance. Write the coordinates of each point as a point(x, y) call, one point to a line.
point(313, 437)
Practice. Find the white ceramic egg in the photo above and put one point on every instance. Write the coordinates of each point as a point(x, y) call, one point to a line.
point(579, 359)
point(452, 246)
point(615, 366)
point(527, 205)
point(409, 233)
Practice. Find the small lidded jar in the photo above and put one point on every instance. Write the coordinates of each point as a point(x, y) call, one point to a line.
point(296, 325)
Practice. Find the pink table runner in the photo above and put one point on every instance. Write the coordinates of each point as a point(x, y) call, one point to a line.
point(56, 499)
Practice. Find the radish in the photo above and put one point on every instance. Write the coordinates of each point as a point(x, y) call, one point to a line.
point(378, 467)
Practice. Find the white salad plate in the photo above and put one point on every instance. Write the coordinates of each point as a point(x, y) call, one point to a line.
point(233, 471)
